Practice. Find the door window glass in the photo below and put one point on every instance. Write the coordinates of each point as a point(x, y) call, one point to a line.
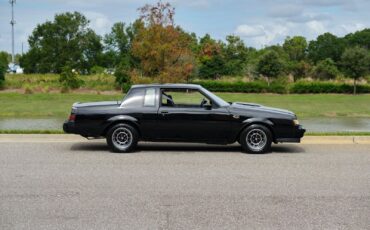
point(183, 98)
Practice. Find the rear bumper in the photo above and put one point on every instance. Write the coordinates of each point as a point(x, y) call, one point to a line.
point(296, 138)
point(69, 127)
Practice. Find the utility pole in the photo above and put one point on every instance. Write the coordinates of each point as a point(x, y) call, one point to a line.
point(12, 22)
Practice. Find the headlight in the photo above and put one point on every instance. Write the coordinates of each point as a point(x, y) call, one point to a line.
point(295, 122)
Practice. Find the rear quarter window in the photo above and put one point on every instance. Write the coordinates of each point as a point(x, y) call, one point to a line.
point(149, 99)
point(135, 98)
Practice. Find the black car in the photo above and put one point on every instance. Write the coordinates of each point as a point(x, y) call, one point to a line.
point(182, 113)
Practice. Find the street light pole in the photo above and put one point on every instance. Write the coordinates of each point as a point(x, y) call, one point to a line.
point(12, 22)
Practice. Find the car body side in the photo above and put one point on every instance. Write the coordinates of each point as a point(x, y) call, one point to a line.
point(219, 124)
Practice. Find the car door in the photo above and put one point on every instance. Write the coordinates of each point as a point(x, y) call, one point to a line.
point(181, 117)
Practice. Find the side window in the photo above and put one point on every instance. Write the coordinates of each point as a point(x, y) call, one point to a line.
point(135, 98)
point(149, 99)
point(183, 98)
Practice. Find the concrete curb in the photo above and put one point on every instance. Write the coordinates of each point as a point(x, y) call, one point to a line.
point(47, 138)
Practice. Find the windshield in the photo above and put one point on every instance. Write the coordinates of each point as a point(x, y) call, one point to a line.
point(215, 98)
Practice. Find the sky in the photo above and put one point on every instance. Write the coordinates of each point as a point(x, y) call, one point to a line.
point(258, 23)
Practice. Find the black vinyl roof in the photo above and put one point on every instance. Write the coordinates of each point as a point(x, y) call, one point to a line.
point(172, 86)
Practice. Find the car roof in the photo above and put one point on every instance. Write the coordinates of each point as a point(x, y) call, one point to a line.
point(176, 86)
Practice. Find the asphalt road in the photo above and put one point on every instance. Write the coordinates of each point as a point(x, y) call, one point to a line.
point(81, 185)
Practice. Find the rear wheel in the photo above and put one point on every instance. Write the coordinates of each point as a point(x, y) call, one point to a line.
point(256, 139)
point(122, 138)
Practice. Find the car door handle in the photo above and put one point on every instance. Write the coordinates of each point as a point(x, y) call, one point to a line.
point(164, 113)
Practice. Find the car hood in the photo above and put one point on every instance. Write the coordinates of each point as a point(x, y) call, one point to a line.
point(260, 108)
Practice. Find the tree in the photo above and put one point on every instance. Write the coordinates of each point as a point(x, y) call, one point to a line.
point(296, 48)
point(5, 57)
point(163, 50)
point(356, 63)
point(270, 65)
point(118, 44)
point(65, 41)
point(359, 38)
point(326, 69)
point(299, 69)
point(210, 57)
point(326, 46)
point(236, 56)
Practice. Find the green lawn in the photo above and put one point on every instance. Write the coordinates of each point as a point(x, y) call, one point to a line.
point(305, 106)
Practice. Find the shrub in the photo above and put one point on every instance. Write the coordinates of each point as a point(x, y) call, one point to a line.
point(97, 69)
point(243, 87)
point(28, 89)
point(123, 78)
point(2, 74)
point(69, 79)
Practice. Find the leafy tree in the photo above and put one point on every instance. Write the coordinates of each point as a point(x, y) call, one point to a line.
point(212, 63)
point(5, 57)
point(326, 46)
point(118, 44)
point(296, 48)
point(359, 38)
point(299, 69)
point(236, 56)
point(326, 69)
point(270, 65)
point(65, 41)
point(356, 63)
point(163, 50)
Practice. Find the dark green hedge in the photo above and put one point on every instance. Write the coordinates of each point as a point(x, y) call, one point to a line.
point(243, 87)
point(326, 87)
point(281, 87)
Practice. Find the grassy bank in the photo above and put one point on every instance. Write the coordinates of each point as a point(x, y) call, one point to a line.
point(15, 105)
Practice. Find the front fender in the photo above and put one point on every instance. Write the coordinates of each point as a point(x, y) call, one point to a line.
point(257, 120)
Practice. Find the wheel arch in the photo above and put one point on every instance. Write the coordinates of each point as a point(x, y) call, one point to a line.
point(256, 121)
point(122, 119)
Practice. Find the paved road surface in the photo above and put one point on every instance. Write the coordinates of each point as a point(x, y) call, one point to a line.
point(81, 185)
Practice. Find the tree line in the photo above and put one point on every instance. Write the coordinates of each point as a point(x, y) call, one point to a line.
point(155, 47)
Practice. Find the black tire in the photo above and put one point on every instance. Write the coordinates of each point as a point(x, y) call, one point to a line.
point(260, 139)
point(122, 138)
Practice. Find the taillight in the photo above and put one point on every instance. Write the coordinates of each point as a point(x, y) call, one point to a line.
point(72, 117)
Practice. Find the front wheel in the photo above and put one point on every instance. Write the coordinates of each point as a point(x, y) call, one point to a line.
point(256, 139)
point(122, 138)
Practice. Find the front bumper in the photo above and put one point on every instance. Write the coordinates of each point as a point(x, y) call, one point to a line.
point(69, 127)
point(296, 137)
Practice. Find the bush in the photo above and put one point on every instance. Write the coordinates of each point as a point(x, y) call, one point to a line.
point(326, 87)
point(2, 74)
point(97, 69)
point(243, 87)
point(69, 79)
point(123, 79)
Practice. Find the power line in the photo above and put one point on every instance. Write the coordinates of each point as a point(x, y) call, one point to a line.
point(12, 22)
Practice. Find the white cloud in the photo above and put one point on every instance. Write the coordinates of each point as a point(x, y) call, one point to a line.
point(316, 27)
point(250, 31)
point(286, 10)
point(98, 22)
point(262, 35)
